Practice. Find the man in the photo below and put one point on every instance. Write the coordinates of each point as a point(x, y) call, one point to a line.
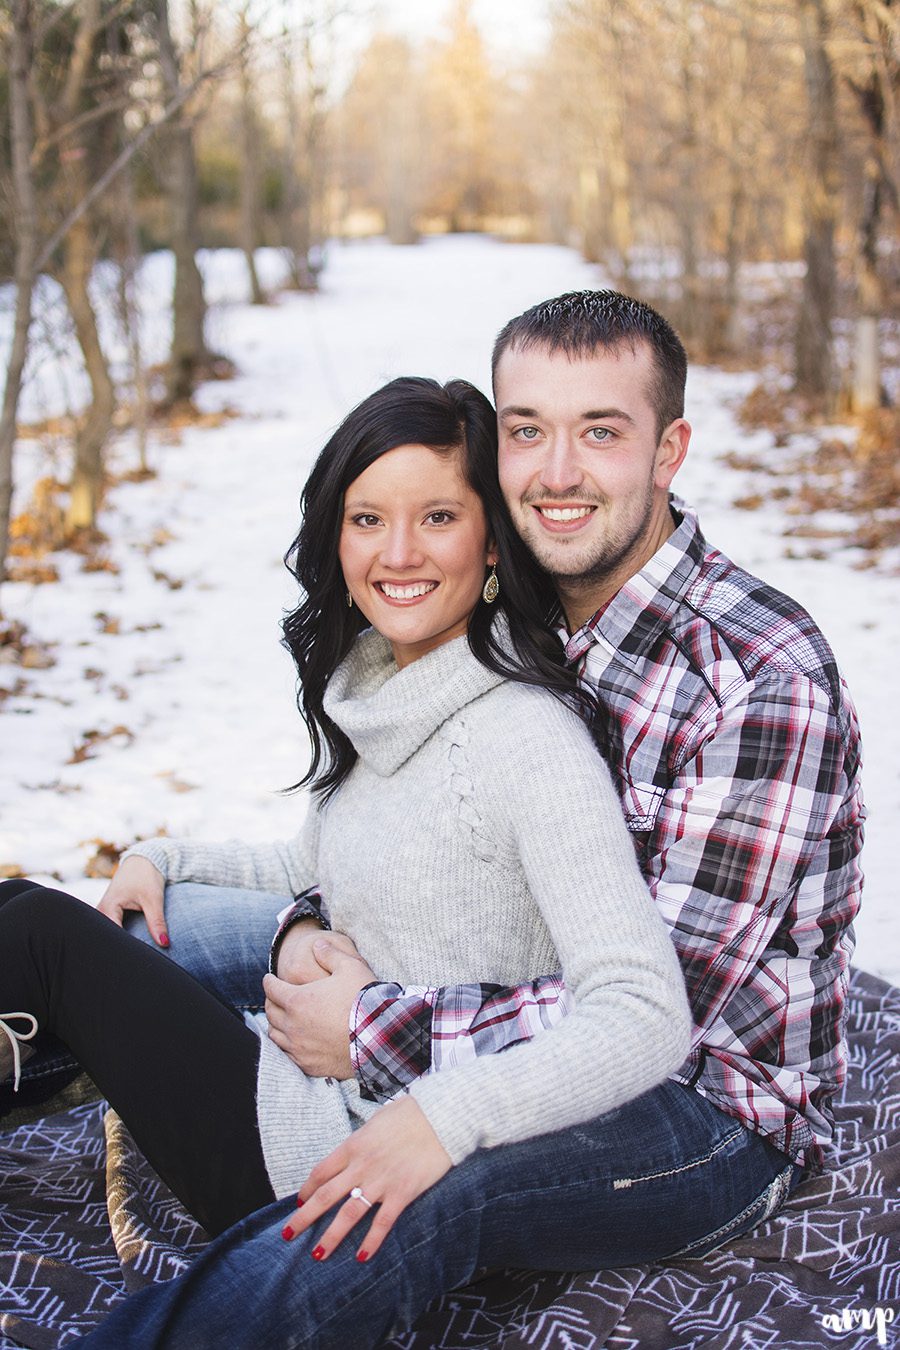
point(735, 748)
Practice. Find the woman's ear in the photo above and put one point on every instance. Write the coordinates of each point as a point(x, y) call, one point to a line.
point(492, 555)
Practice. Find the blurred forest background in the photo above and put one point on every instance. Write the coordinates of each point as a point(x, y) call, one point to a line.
point(684, 145)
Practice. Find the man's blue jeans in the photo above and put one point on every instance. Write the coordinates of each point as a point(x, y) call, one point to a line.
point(667, 1174)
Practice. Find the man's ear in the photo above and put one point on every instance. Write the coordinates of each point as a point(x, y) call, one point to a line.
point(671, 451)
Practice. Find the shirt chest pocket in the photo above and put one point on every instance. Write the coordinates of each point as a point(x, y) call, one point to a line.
point(641, 803)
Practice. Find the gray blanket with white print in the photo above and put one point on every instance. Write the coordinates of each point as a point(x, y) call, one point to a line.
point(84, 1221)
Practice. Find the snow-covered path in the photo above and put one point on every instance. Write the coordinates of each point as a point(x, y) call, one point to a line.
point(175, 659)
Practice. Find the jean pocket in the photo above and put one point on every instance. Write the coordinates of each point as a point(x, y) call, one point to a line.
point(763, 1207)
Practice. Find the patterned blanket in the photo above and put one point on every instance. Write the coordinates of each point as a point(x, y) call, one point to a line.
point(83, 1221)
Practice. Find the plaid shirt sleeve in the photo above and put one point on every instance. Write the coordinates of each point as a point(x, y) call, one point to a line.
point(397, 1034)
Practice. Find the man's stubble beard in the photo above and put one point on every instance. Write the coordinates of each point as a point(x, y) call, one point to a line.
point(605, 557)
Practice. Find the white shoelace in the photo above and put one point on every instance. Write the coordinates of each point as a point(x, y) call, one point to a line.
point(15, 1037)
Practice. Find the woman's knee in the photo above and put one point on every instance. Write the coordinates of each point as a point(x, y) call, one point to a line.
point(40, 908)
point(17, 886)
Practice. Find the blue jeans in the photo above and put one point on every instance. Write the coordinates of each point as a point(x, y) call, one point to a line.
point(666, 1175)
point(221, 936)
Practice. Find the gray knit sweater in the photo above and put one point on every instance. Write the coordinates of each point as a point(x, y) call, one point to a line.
point(477, 838)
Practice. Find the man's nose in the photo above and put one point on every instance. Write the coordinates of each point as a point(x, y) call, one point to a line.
point(561, 470)
point(401, 548)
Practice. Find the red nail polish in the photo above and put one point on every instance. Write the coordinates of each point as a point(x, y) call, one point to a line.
point(287, 1232)
point(318, 1253)
point(362, 1256)
point(164, 939)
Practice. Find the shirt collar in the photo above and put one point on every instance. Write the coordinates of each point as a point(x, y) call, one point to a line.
point(633, 618)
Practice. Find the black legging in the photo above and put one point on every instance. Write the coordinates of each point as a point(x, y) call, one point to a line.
point(177, 1064)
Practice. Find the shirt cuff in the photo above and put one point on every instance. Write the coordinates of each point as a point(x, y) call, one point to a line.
point(390, 1038)
point(307, 905)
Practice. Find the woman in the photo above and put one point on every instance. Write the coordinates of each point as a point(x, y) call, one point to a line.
point(454, 786)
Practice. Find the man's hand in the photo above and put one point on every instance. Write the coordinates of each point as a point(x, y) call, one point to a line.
point(137, 885)
point(392, 1159)
point(311, 1022)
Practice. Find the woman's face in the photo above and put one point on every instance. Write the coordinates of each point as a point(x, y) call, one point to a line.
point(414, 548)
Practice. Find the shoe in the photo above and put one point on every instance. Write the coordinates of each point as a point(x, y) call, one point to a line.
point(13, 1053)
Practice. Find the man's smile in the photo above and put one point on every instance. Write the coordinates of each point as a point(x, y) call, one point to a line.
point(563, 519)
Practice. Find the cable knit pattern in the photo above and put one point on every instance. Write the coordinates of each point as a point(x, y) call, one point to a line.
point(478, 837)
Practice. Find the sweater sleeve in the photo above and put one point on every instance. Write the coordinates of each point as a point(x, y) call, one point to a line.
point(630, 1026)
point(285, 867)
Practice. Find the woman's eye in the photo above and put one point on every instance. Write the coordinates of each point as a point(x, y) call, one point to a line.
point(365, 519)
point(440, 518)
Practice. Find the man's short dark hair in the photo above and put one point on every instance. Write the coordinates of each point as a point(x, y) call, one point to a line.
point(582, 322)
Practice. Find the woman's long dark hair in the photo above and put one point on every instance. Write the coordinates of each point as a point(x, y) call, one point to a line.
point(453, 418)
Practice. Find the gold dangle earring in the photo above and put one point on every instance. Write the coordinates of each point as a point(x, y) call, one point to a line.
point(491, 587)
point(349, 600)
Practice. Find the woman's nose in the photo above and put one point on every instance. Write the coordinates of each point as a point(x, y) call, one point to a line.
point(401, 549)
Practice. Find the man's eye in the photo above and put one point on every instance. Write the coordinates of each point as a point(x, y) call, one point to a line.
point(526, 433)
point(601, 434)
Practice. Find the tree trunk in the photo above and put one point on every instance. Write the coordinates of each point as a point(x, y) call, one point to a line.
point(618, 169)
point(129, 250)
point(813, 355)
point(25, 216)
point(189, 352)
point(250, 178)
point(296, 217)
point(871, 99)
point(87, 477)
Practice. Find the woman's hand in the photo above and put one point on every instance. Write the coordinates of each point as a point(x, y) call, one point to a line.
point(311, 1022)
point(137, 885)
point(296, 962)
point(392, 1159)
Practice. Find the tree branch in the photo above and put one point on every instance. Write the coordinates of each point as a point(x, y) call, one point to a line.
point(123, 158)
point(84, 119)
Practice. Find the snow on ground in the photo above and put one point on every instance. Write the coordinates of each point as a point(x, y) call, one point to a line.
point(176, 661)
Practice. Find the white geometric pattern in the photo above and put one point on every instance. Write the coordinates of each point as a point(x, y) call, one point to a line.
point(73, 1243)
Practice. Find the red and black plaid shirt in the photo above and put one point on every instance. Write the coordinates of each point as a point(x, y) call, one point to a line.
point(735, 747)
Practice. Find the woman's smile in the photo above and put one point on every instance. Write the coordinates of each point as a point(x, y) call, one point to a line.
point(405, 592)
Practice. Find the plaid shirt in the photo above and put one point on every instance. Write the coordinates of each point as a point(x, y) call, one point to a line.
point(736, 751)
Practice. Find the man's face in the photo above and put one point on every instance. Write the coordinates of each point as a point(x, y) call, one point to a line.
point(583, 472)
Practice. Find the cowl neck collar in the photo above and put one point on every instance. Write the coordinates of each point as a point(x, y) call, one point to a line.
point(387, 713)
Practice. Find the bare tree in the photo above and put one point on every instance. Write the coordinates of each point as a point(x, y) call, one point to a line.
point(302, 131)
point(26, 246)
point(79, 254)
point(384, 145)
point(188, 353)
point(813, 352)
point(250, 164)
point(874, 79)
